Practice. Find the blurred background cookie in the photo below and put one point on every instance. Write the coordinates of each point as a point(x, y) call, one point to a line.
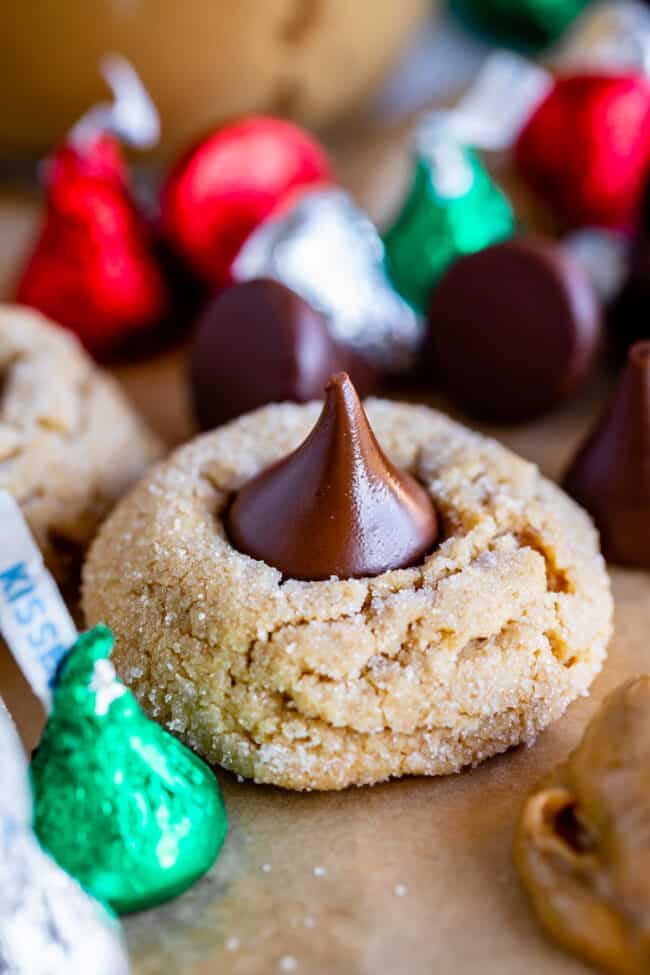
point(70, 444)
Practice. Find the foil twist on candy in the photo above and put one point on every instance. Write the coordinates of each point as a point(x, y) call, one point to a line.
point(453, 208)
point(48, 925)
point(529, 24)
point(614, 35)
point(119, 803)
point(328, 251)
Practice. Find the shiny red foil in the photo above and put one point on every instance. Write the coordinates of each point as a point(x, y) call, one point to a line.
point(586, 148)
point(91, 269)
point(229, 182)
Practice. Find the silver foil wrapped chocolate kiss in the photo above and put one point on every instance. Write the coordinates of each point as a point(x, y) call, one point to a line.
point(328, 251)
point(48, 925)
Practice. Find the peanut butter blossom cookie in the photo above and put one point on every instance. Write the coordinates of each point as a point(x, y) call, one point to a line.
point(70, 444)
point(317, 596)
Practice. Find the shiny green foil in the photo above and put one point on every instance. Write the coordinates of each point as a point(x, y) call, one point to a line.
point(526, 24)
point(119, 803)
point(437, 224)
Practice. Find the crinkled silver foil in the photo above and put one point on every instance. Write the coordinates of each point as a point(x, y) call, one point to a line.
point(48, 925)
point(611, 36)
point(327, 250)
point(604, 256)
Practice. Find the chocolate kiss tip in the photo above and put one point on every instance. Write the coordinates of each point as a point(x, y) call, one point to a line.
point(336, 506)
point(339, 380)
point(610, 474)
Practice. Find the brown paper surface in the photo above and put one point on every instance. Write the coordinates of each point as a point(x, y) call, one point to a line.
point(411, 877)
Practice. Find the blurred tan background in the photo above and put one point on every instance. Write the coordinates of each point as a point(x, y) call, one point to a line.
point(202, 60)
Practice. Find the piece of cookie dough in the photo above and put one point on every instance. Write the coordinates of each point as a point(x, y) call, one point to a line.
point(582, 842)
point(70, 444)
point(321, 685)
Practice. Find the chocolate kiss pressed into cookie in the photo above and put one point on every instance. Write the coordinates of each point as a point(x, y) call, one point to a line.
point(336, 506)
point(610, 474)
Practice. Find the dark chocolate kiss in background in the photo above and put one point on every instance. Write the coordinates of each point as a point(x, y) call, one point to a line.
point(628, 318)
point(258, 343)
point(336, 506)
point(513, 329)
point(610, 475)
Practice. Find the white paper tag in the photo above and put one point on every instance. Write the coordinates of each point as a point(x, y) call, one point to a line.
point(496, 107)
point(33, 617)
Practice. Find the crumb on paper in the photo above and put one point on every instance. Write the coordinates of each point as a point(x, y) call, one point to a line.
point(288, 963)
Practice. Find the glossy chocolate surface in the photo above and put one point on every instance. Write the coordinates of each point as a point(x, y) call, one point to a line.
point(336, 506)
point(514, 330)
point(610, 475)
point(258, 343)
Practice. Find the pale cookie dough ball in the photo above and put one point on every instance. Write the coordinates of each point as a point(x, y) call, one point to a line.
point(321, 685)
point(70, 444)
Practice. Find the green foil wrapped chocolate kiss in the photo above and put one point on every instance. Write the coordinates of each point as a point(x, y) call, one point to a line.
point(121, 805)
point(453, 208)
point(526, 24)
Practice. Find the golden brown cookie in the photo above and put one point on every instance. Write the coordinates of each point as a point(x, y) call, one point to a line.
point(321, 685)
point(70, 444)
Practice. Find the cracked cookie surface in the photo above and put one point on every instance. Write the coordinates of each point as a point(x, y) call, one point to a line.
point(70, 444)
point(321, 685)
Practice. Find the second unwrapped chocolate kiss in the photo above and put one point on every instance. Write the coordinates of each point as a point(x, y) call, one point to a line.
point(610, 474)
point(336, 506)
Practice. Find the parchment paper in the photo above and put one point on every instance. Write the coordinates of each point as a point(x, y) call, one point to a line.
point(411, 877)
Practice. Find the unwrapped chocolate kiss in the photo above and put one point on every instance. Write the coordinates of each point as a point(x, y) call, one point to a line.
point(336, 506)
point(610, 474)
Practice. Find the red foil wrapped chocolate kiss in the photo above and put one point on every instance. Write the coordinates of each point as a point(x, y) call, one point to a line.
point(229, 182)
point(92, 269)
point(586, 148)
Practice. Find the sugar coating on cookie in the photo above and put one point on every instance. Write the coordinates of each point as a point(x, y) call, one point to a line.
point(70, 444)
point(321, 685)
